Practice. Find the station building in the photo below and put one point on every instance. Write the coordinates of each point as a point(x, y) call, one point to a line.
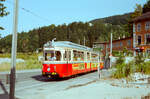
point(117, 45)
point(141, 32)
point(140, 41)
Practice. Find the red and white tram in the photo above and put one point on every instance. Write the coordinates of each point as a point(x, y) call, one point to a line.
point(64, 59)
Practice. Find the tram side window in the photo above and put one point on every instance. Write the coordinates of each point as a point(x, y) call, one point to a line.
point(94, 57)
point(67, 56)
point(78, 56)
point(75, 55)
point(88, 56)
point(81, 55)
point(51, 56)
point(58, 55)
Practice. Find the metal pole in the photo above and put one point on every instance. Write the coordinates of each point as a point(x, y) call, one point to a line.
point(134, 36)
point(111, 44)
point(110, 49)
point(13, 52)
point(98, 68)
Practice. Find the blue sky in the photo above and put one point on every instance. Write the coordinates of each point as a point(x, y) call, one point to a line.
point(62, 11)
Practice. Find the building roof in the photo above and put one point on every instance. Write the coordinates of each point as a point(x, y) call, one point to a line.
point(100, 42)
point(114, 40)
point(142, 17)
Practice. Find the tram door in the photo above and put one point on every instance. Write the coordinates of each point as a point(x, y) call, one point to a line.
point(68, 59)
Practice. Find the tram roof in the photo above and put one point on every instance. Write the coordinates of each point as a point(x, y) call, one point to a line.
point(67, 44)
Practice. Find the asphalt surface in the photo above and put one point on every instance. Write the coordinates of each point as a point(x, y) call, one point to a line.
point(31, 82)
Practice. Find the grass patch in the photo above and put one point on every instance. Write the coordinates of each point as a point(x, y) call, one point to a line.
point(31, 61)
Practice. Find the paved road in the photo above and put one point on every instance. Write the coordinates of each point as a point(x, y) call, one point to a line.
point(32, 83)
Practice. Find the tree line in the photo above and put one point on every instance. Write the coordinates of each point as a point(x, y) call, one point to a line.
point(94, 31)
point(74, 32)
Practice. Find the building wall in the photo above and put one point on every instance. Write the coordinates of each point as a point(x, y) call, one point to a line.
point(142, 33)
point(117, 45)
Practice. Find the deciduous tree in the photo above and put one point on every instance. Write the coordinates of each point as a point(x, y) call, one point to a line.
point(146, 7)
point(3, 11)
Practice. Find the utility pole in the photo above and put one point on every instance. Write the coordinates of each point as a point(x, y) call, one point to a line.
point(110, 49)
point(134, 40)
point(98, 68)
point(13, 52)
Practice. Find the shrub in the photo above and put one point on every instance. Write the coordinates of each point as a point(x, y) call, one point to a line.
point(146, 68)
point(123, 70)
point(120, 60)
point(138, 65)
point(139, 62)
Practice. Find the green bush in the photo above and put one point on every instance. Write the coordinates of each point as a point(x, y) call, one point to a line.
point(117, 53)
point(145, 68)
point(123, 70)
point(138, 65)
point(120, 60)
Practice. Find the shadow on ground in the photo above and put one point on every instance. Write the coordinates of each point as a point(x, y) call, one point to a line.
point(46, 79)
point(5, 94)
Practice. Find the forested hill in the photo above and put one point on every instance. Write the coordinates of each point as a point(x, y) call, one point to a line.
point(75, 32)
point(114, 20)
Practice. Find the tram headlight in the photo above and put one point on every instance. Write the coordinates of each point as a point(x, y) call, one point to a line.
point(48, 69)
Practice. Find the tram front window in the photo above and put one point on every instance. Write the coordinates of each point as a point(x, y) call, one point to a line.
point(52, 56)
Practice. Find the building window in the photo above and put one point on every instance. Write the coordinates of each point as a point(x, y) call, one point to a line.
point(129, 42)
point(148, 51)
point(138, 27)
point(133, 28)
point(120, 43)
point(147, 38)
point(113, 45)
point(147, 25)
point(117, 44)
point(139, 40)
